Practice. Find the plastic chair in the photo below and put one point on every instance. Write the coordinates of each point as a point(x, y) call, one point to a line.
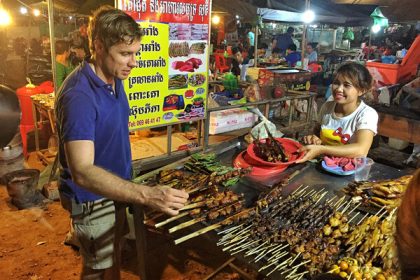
point(221, 64)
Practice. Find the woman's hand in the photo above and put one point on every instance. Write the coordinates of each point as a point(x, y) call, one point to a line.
point(311, 152)
point(311, 140)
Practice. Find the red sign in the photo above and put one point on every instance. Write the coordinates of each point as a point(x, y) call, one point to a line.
point(180, 11)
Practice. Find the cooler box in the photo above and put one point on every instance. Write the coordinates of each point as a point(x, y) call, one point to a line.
point(389, 74)
point(231, 119)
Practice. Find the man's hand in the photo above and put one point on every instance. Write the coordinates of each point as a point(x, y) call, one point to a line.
point(311, 140)
point(311, 152)
point(165, 199)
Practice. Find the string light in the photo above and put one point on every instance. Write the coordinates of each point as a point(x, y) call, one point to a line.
point(308, 16)
point(4, 16)
point(23, 10)
point(36, 12)
point(376, 28)
point(215, 20)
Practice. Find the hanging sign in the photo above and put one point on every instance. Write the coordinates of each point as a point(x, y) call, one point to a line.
point(169, 83)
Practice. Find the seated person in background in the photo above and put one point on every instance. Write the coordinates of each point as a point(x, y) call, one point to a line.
point(283, 41)
point(77, 55)
point(236, 61)
point(408, 231)
point(346, 125)
point(311, 53)
point(292, 55)
point(62, 65)
point(276, 53)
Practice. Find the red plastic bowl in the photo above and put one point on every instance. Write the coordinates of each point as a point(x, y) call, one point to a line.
point(289, 145)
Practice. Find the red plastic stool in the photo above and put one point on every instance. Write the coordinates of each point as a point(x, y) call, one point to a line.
point(24, 130)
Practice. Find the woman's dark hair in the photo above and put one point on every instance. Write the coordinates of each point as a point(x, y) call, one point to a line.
point(290, 30)
point(235, 50)
point(358, 75)
point(61, 46)
point(292, 47)
point(408, 230)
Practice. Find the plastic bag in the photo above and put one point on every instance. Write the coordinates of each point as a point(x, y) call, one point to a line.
point(259, 131)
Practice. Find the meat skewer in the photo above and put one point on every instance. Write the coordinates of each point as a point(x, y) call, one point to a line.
point(230, 220)
point(210, 216)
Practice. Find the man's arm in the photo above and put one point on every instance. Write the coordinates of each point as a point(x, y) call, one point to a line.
point(80, 158)
point(360, 147)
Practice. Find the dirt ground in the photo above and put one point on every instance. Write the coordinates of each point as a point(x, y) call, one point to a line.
point(31, 247)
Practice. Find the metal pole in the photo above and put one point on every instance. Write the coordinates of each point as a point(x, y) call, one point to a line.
point(52, 41)
point(257, 30)
point(305, 27)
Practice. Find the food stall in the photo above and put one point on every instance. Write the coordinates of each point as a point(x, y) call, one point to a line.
point(256, 217)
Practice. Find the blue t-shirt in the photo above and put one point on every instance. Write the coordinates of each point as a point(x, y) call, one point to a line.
point(292, 58)
point(283, 42)
point(88, 109)
point(251, 37)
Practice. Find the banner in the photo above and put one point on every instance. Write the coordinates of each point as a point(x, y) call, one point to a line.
point(169, 83)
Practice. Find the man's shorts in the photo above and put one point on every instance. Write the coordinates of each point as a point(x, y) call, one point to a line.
point(95, 231)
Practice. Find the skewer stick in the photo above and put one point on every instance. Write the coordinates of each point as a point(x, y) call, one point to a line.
point(361, 220)
point(193, 205)
point(237, 239)
point(319, 199)
point(291, 274)
point(346, 207)
point(186, 224)
point(260, 256)
point(275, 252)
point(380, 210)
point(391, 214)
point(338, 203)
point(228, 230)
point(379, 218)
point(279, 266)
point(297, 256)
point(246, 245)
point(296, 266)
point(234, 237)
point(352, 218)
point(351, 211)
point(298, 190)
point(167, 221)
point(229, 237)
point(329, 201)
point(279, 256)
point(197, 233)
point(256, 248)
point(273, 263)
point(300, 275)
point(232, 245)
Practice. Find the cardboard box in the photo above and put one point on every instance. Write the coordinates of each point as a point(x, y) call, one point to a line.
point(231, 119)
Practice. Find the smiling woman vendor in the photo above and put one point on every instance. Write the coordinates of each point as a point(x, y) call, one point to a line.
point(346, 125)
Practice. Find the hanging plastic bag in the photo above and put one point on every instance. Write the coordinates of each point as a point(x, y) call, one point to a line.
point(259, 131)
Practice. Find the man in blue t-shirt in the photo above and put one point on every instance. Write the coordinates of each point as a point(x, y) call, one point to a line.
point(92, 121)
point(283, 41)
point(292, 56)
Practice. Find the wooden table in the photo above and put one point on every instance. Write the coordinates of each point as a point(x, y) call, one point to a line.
point(399, 123)
point(399, 127)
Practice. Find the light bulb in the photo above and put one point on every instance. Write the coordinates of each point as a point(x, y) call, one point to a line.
point(308, 16)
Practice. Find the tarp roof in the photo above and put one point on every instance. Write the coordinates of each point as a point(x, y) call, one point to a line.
point(324, 10)
point(394, 10)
